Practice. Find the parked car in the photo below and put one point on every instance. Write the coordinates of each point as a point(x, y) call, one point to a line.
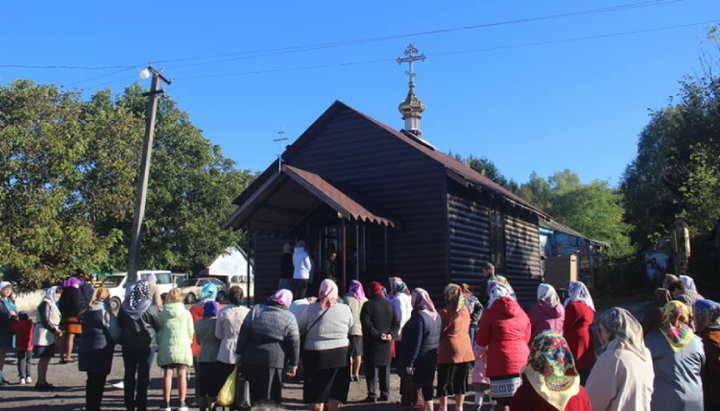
point(192, 289)
point(117, 284)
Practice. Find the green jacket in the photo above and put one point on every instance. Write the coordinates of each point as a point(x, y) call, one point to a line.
point(175, 336)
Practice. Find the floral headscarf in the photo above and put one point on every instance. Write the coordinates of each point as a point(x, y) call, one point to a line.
point(397, 285)
point(138, 301)
point(707, 315)
point(283, 297)
point(578, 291)
point(357, 290)
point(674, 325)
point(421, 301)
point(624, 332)
point(497, 290)
point(454, 297)
point(547, 295)
point(328, 293)
point(551, 369)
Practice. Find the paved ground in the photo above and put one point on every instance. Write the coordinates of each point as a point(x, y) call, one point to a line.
point(69, 393)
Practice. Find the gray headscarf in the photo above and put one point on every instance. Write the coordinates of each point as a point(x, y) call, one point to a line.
point(625, 332)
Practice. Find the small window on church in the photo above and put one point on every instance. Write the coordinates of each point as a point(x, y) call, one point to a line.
point(497, 239)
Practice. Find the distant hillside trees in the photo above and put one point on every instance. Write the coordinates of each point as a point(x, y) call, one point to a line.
point(68, 172)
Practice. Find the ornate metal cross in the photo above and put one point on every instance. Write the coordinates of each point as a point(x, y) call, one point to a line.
point(411, 53)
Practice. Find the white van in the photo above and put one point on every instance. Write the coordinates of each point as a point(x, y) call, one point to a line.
point(117, 284)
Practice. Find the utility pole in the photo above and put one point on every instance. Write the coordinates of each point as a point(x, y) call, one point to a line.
point(144, 175)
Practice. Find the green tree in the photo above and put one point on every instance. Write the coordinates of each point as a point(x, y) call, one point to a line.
point(68, 171)
point(487, 168)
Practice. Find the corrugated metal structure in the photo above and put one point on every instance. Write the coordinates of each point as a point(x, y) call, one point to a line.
point(390, 204)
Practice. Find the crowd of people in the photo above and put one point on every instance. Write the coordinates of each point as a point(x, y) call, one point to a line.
point(546, 359)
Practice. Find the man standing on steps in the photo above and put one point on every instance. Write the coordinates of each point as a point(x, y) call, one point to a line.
point(488, 271)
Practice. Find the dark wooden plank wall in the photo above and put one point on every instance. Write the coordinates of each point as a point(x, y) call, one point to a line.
point(469, 245)
point(400, 181)
point(522, 254)
point(268, 255)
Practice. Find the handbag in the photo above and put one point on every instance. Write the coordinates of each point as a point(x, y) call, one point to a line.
point(242, 393)
point(410, 394)
point(302, 336)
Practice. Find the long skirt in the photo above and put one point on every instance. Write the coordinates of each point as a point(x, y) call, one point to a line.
point(265, 383)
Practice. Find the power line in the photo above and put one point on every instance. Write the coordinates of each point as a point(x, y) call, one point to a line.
point(449, 53)
point(228, 57)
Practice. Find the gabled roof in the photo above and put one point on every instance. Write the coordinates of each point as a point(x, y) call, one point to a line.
point(455, 169)
point(553, 225)
point(271, 209)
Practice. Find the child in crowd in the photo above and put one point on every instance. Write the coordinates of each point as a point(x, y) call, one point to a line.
point(480, 381)
point(22, 327)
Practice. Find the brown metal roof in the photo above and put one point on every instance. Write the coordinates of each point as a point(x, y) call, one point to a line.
point(284, 199)
point(454, 168)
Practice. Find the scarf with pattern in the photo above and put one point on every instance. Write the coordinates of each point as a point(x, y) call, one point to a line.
point(674, 325)
point(707, 315)
point(551, 369)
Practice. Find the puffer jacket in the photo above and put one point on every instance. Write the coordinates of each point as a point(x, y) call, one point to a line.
point(543, 317)
point(175, 336)
point(505, 330)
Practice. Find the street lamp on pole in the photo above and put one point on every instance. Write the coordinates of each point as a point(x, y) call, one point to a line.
point(144, 175)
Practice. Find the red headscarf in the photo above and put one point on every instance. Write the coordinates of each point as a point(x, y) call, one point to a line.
point(376, 289)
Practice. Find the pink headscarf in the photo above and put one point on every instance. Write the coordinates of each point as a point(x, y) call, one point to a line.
point(421, 300)
point(328, 293)
point(356, 289)
point(283, 297)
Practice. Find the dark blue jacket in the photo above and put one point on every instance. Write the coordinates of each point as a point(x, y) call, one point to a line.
point(419, 347)
point(95, 352)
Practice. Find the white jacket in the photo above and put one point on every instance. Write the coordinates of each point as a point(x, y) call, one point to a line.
point(302, 265)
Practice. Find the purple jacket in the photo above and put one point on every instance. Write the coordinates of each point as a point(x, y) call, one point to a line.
point(544, 318)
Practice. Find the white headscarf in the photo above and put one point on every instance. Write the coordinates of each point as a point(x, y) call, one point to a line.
point(497, 291)
point(50, 293)
point(547, 295)
point(689, 282)
point(579, 292)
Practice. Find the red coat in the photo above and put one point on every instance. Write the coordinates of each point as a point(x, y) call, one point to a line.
point(505, 330)
point(23, 330)
point(526, 399)
point(578, 319)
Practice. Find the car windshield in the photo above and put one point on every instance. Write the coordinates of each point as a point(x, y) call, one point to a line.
point(112, 281)
point(189, 283)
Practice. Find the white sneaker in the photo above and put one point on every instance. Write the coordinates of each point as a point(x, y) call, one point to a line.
point(184, 408)
point(22, 381)
point(164, 409)
point(28, 380)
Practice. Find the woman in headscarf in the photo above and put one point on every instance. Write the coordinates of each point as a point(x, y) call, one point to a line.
point(46, 332)
point(379, 325)
point(7, 314)
point(355, 299)
point(139, 321)
point(707, 322)
point(419, 351)
point(268, 343)
point(622, 378)
point(95, 351)
point(208, 292)
point(687, 294)
point(547, 313)
point(326, 325)
point(400, 300)
point(455, 352)
point(208, 378)
point(579, 316)
point(654, 310)
point(550, 381)
point(678, 357)
point(505, 330)
point(70, 307)
point(230, 320)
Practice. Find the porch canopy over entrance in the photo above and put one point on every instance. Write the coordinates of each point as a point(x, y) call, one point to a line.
point(283, 201)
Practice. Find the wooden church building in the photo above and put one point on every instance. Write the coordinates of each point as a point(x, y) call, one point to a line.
point(389, 204)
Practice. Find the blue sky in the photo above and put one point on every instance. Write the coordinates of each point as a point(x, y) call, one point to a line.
point(555, 85)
